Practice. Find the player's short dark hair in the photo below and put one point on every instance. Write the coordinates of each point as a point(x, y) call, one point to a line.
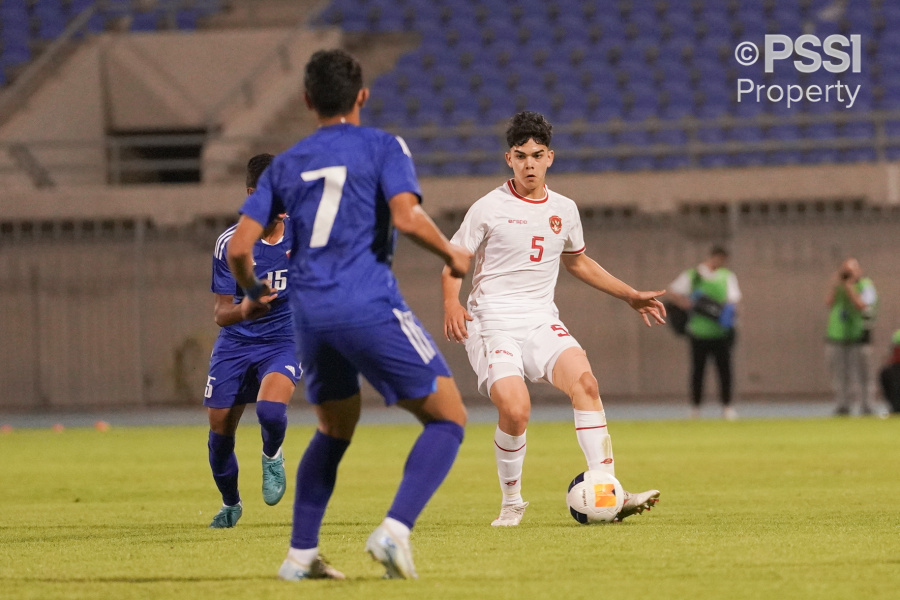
point(528, 125)
point(255, 168)
point(719, 250)
point(332, 80)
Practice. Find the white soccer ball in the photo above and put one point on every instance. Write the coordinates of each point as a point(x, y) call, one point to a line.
point(595, 497)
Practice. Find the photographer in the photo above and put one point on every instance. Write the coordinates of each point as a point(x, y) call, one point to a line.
point(851, 299)
point(890, 375)
point(709, 294)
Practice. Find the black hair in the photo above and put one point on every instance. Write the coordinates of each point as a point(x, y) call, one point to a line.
point(528, 125)
point(332, 80)
point(718, 250)
point(255, 168)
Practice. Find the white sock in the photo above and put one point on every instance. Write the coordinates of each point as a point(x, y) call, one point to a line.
point(509, 451)
point(303, 557)
point(396, 527)
point(593, 437)
point(277, 454)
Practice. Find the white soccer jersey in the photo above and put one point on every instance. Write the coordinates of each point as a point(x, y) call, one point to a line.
point(517, 243)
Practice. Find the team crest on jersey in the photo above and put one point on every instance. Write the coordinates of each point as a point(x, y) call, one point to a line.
point(555, 224)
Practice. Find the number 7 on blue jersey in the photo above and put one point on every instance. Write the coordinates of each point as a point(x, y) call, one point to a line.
point(328, 206)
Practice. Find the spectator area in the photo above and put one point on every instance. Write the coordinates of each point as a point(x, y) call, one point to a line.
point(663, 73)
point(27, 26)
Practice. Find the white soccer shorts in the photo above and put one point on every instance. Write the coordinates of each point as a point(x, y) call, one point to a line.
point(525, 348)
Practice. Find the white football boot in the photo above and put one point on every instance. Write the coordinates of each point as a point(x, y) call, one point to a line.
point(393, 552)
point(637, 503)
point(510, 515)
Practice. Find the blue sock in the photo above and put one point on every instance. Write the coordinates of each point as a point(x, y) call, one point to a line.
point(315, 482)
point(273, 422)
point(224, 467)
point(428, 464)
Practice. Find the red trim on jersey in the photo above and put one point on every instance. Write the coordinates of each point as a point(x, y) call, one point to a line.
point(505, 450)
point(574, 251)
point(512, 189)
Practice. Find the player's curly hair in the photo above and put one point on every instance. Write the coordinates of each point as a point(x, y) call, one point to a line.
point(332, 79)
point(528, 125)
point(255, 168)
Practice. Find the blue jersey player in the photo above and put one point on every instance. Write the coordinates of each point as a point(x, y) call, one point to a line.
point(253, 360)
point(347, 188)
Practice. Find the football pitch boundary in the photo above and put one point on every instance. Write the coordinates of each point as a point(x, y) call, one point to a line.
point(480, 411)
point(800, 508)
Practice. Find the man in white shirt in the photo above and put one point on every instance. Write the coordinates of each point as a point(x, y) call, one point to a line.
point(519, 233)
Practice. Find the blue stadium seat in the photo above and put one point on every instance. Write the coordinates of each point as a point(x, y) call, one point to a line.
point(749, 108)
point(146, 21)
point(853, 155)
point(710, 135)
point(783, 132)
point(784, 157)
point(672, 137)
point(187, 19)
point(638, 138)
point(821, 131)
point(892, 129)
point(594, 139)
point(713, 161)
point(858, 130)
point(599, 165)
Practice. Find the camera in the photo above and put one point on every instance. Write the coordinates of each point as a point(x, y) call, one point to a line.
point(845, 275)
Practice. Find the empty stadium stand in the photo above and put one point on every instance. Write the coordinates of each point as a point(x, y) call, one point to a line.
point(629, 85)
point(26, 26)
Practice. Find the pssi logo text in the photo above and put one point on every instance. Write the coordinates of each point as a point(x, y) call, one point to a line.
point(780, 47)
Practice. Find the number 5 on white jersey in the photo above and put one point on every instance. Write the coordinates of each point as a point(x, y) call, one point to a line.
point(328, 206)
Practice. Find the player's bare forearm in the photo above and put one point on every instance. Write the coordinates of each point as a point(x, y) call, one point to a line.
point(410, 220)
point(588, 271)
point(450, 287)
point(455, 315)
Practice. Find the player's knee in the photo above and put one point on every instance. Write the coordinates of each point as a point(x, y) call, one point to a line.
point(586, 386)
point(516, 416)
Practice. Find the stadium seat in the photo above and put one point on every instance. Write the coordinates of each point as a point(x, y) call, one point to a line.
point(671, 62)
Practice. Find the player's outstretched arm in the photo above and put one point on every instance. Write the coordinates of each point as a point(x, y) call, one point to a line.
point(240, 261)
point(409, 219)
point(587, 270)
point(455, 315)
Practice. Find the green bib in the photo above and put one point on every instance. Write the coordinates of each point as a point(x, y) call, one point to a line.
point(846, 323)
point(715, 288)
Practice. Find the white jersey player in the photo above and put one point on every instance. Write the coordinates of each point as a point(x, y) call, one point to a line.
point(519, 234)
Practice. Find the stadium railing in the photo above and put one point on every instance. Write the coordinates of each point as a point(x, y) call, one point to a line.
point(884, 145)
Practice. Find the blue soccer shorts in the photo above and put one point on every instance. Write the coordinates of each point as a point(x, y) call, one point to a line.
point(236, 370)
point(396, 356)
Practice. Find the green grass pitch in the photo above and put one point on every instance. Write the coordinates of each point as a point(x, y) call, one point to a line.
point(755, 509)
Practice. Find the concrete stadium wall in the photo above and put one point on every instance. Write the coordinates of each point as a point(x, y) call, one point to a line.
point(158, 81)
point(126, 319)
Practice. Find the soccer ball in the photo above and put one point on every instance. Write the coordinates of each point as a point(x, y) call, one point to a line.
point(595, 497)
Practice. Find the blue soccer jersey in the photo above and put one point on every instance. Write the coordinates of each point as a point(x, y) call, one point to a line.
point(349, 315)
point(336, 184)
point(271, 264)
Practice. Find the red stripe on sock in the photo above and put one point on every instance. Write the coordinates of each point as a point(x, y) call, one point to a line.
point(506, 450)
point(594, 427)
